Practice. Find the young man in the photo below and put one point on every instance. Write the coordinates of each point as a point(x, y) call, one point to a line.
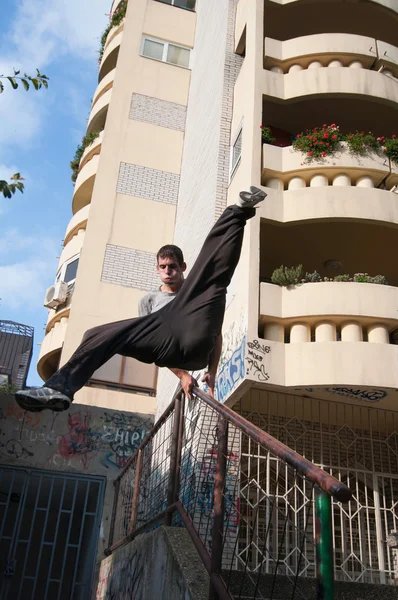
point(170, 266)
point(182, 335)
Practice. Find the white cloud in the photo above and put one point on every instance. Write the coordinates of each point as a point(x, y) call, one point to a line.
point(23, 281)
point(42, 32)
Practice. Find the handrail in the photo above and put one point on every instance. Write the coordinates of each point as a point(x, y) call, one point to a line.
point(312, 472)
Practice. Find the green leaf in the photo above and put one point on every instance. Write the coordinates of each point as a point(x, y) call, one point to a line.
point(25, 83)
point(35, 83)
point(1, 88)
point(13, 82)
point(16, 72)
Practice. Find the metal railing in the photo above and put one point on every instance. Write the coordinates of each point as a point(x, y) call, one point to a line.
point(258, 513)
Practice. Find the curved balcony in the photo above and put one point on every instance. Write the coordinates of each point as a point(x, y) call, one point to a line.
point(104, 85)
point(85, 184)
point(320, 49)
point(331, 334)
point(72, 248)
point(91, 150)
point(51, 348)
point(111, 51)
point(78, 222)
point(285, 168)
point(97, 118)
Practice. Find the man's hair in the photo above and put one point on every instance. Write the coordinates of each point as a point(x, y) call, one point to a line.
point(171, 251)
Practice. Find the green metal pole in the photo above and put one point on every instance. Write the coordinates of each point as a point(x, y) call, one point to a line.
point(324, 546)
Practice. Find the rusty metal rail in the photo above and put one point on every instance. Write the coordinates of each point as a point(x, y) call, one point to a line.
point(258, 513)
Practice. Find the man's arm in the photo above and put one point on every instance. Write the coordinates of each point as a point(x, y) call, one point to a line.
point(210, 376)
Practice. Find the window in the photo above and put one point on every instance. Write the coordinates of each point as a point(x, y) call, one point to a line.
point(68, 270)
point(166, 52)
point(188, 4)
point(236, 151)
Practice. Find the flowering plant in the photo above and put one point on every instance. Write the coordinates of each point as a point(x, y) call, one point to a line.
point(390, 147)
point(361, 143)
point(266, 135)
point(285, 276)
point(319, 141)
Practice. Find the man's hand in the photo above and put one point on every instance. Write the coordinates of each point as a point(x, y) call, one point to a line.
point(210, 380)
point(187, 381)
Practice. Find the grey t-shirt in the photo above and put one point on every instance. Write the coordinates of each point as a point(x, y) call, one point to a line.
point(153, 301)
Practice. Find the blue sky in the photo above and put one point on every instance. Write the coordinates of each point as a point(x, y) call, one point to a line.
point(39, 133)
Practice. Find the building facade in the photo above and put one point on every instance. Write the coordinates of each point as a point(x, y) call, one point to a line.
point(187, 95)
point(16, 348)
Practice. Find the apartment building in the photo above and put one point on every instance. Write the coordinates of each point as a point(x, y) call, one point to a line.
point(196, 101)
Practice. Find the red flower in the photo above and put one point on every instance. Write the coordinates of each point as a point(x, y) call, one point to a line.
point(333, 125)
point(323, 153)
point(334, 137)
point(351, 136)
point(326, 135)
point(261, 126)
point(310, 153)
point(393, 136)
point(324, 125)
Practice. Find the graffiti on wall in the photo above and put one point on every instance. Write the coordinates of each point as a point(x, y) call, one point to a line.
point(72, 439)
point(231, 373)
point(256, 360)
point(367, 395)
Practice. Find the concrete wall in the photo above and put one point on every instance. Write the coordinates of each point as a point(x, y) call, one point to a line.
point(85, 439)
point(161, 564)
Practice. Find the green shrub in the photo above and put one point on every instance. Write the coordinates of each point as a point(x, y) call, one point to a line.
point(8, 388)
point(287, 275)
point(343, 277)
point(312, 277)
point(115, 20)
point(361, 278)
point(391, 148)
point(266, 135)
point(87, 140)
point(380, 279)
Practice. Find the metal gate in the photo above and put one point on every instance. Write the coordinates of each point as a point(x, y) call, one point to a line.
point(49, 526)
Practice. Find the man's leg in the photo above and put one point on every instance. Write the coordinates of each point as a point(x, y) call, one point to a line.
point(197, 313)
point(141, 338)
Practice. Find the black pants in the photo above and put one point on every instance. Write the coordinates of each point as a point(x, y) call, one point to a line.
point(182, 333)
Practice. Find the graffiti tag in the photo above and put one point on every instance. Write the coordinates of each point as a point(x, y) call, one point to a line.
point(231, 373)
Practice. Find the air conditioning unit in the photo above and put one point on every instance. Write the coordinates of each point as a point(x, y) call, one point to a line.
point(56, 294)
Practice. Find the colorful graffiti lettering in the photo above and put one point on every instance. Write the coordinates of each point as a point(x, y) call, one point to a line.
point(231, 373)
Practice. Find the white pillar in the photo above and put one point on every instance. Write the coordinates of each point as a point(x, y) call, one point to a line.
point(378, 334)
point(315, 65)
point(356, 64)
point(319, 181)
point(365, 181)
point(299, 333)
point(342, 180)
point(275, 183)
point(274, 332)
point(325, 332)
point(351, 332)
point(335, 63)
point(296, 183)
point(295, 68)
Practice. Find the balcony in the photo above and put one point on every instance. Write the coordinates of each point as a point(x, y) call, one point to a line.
point(97, 118)
point(331, 334)
point(85, 184)
point(51, 347)
point(111, 51)
point(104, 85)
point(78, 222)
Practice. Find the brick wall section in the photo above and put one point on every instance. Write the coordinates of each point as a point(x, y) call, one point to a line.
point(158, 112)
point(148, 183)
point(130, 268)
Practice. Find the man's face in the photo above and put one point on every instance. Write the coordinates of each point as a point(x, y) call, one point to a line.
point(170, 272)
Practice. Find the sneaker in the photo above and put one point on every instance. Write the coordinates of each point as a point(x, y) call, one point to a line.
point(252, 198)
point(43, 398)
